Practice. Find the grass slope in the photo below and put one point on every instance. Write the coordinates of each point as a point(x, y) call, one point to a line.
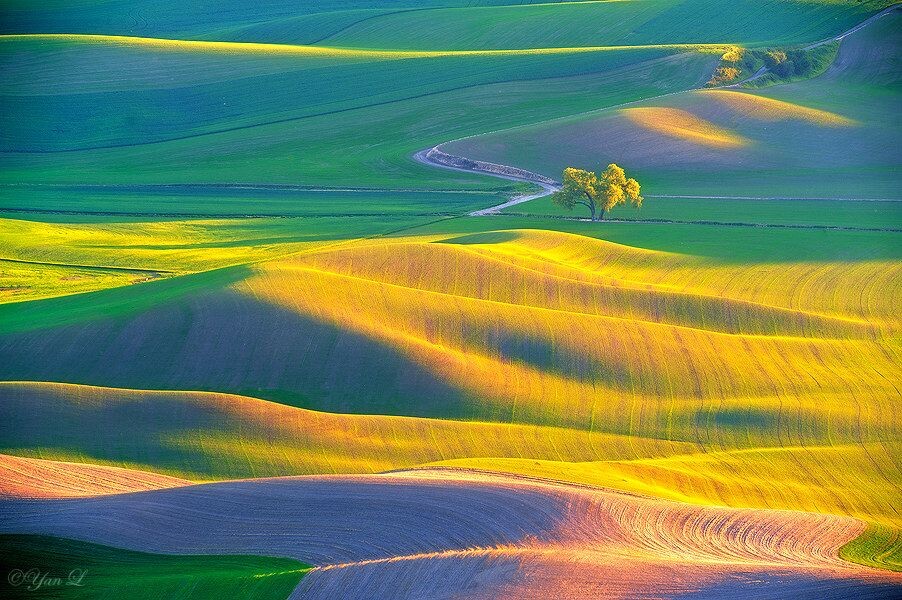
point(334, 296)
point(54, 133)
point(467, 24)
point(76, 569)
point(833, 136)
point(598, 23)
point(45, 259)
point(169, 202)
point(720, 243)
point(785, 212)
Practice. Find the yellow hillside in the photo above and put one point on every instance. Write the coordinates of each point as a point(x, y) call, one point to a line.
point(771, 109)
point(539, 346)
point(683, 125)
point(762, 385)
point(784, 384)
point(40, 260)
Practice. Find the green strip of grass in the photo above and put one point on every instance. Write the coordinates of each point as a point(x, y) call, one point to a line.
point(803, 213)
point(65, 310)
point(879, 546)
point(49, 567)
point(163, 203)
point(720, 243)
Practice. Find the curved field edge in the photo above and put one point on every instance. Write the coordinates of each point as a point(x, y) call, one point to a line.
point(878, 546)
point(376, 534)
point(92, 571)
point(482, 24)
point(22, 477)
point(334, 52)
point(216, 436)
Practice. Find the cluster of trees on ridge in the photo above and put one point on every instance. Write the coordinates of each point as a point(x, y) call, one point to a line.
point(781, 64)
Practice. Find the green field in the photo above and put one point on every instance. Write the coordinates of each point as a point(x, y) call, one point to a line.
point(781, 150)
point(168, 202)
point(722, 244)
point(337, 140)
point(49, 567)
point(800, 213)
point(171, 124)
point(470, 24)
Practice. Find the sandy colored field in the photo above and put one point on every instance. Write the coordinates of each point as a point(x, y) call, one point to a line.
point(34, 478)
point(204, 436)
point(442, 534)
point(683, 125)
point(771, 109)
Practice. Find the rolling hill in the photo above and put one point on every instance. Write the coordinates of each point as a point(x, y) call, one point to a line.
point(524, 537)
point(809, 139)
point(248, 342)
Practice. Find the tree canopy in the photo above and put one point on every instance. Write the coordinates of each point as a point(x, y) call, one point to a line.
point(597, 193)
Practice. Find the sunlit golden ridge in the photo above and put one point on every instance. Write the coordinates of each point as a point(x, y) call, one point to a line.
point(326, 51)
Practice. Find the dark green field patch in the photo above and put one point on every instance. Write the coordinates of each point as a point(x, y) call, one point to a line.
point(720, 243)
point(223, 201)
point(803, 213)
point(44, 567)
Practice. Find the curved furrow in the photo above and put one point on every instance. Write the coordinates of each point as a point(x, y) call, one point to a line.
point(478, 534)
point(22, 477)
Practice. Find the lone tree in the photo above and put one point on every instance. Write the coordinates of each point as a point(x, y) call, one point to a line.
point(598, 194)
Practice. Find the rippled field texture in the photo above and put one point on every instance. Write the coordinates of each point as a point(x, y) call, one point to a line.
point(249, 347)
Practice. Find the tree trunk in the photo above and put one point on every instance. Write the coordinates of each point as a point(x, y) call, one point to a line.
point(591, 204)
point(601, 215)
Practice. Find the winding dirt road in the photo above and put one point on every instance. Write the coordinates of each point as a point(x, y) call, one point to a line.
point(837, 38)
point(435, 157)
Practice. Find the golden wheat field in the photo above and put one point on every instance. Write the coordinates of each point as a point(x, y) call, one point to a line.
point(597, 363)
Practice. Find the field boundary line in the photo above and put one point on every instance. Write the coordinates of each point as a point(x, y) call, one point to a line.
point(711, 223)
point(92, 267)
